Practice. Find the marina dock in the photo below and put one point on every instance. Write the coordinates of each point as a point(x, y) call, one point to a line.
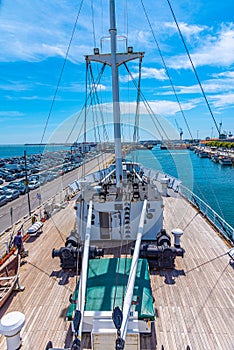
point(215, 154)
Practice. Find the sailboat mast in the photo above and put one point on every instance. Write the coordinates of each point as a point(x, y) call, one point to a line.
point(115, 92)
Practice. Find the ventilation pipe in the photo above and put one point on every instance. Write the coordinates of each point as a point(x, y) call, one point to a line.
point(10, 326)
point(164, 182)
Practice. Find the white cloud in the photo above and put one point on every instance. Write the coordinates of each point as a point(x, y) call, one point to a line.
point(10, 115)
point(99, 87)
point(213, 50)
point(223, 101)
point(165, 107)
point(147, 73)
point(227, 74)
point(15, 86)
point(209, 86)
point(159, 107)
point(188, 30)
point(154, 73)
point(40, 29)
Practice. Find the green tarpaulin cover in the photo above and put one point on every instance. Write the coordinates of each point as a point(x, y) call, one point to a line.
point(106, 284)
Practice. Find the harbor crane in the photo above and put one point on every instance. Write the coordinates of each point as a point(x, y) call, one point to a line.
point(180, 130)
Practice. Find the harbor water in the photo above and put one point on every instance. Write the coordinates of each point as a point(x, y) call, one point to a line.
point(7, 151)
point(212, 182)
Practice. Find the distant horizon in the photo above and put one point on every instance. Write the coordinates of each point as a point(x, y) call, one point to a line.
point(123, 142)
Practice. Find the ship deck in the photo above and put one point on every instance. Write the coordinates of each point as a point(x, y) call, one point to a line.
point(194, 304)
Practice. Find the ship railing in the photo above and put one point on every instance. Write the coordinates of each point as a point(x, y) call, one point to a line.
point(212, 216)
point(97, 176)
point(51, 206)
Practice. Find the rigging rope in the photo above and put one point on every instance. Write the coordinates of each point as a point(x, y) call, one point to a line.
point(94, 37)
point(136, 126)
point(149, 109)
point(193, 67)
point(85, 114)
point(125, 18)
point(86, 102)
point(166, 69)
point(94, 121)
point(95, 98)
point(62, 70)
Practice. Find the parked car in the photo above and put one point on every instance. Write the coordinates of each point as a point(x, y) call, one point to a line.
point(3, 200)
point(1, 182)
point(2, 192)
point(33, 184)
point(12, 194)
point(10, 177)
point(17, 186)
point(4, 189)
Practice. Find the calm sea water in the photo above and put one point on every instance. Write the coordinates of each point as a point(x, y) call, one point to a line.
point(18, 150)
point(212, 182)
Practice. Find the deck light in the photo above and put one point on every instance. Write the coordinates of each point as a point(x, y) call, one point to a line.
point(130, 49)
point(96, 51)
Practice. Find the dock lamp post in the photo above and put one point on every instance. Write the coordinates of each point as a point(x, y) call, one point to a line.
point(26, 182)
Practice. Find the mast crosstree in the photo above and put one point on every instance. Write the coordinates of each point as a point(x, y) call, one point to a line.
point(114, 60)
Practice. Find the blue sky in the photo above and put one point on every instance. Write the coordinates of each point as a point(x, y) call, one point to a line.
point(34, 40)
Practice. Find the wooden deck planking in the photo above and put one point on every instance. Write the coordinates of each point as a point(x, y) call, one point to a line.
point(44, 301)
point(201, 301)
point(196, 310)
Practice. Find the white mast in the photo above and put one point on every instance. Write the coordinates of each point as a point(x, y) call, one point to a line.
point(114, 60)
point(115, 91)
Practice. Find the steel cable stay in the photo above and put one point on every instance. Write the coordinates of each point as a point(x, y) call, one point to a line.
point(85, 105)
point(95, 93)
point(85, 114)
point(166, 70)
point(93, 24)
point(95, 126)
point(94, 41)
point(62, 70)
point(136, 125)
point(59, 82)
point(85, 110)
point(136, 137)
point(193, 67)
point(149, 110)
point(204, 95)
point(95, 103)
point(172, 85)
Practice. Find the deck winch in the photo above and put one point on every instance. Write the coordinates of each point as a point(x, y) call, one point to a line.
point(72, 253)
point(160, 254)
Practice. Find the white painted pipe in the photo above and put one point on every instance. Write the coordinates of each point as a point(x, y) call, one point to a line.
point(108, 175)
point(137, 175)
point(84, 273)
point(132, 274)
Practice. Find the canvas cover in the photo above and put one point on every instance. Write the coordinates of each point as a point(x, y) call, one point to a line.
point(106, 284)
